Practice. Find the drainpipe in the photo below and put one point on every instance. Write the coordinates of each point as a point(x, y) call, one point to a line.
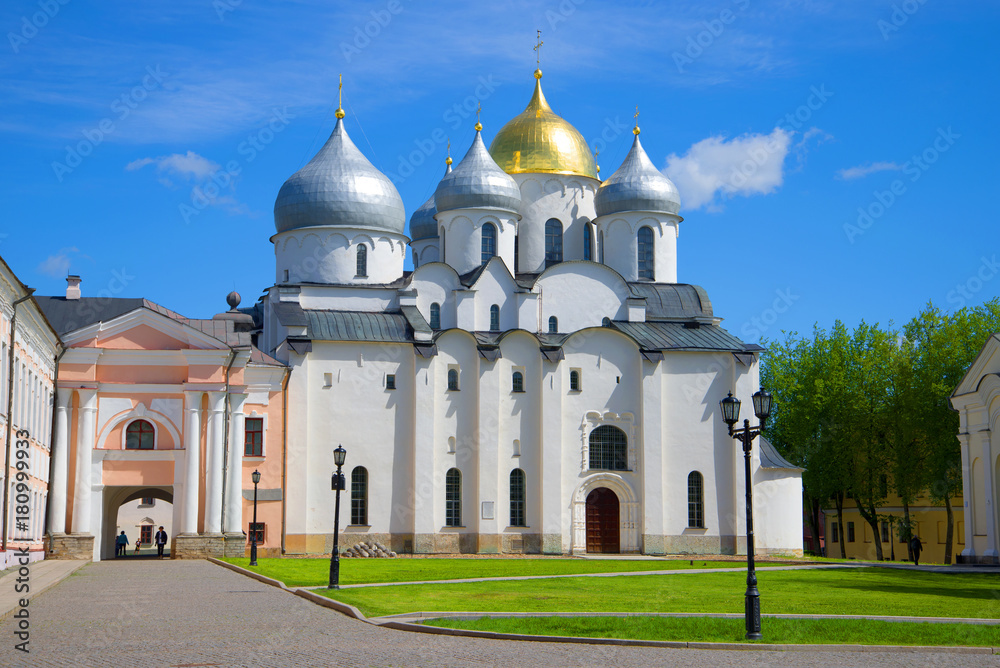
point(225, 443)
point(284, 453)
point(10, 418)
point(52, 434)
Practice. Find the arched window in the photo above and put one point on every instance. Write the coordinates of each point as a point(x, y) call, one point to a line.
point(588, 242)
point(608, 449)
point(139, 436)
point(517, 247)
point(605, 321)
point(489, 241)
point(453, 379)
point(517, 382)
point(645, 253)
point(435, 316)
point(553, 324)
point(453, 498)
point(416, 260)
point(600, 246)
point(696, 501)
point(362, 260)
point(574, 380)
point(444, 258)
point(494, 318)
point(359, 496)
point(517, 513)
point(553, 242)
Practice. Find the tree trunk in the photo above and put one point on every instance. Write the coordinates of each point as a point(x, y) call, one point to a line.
point(839, 499)
point(949, 535)
point(907, 530)
point(871, 516)
point(814, 526)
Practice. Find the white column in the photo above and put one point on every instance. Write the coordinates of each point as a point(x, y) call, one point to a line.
point(213, 462)
point(988, 487)
point(555, 540)
point(60, 468)
point(422, 508)
point(965, 443)
point(192, 446)
point(86, 416)
point(234, 479)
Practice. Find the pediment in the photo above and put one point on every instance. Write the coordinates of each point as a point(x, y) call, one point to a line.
point(143, 329)
point(987, 362)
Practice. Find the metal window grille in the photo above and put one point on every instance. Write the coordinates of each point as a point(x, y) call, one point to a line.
point(489, 241)
point(517, 518)
point(452, 379)
point(696, 503)
point(453, 498)
point(390, 381)
point(608, 449)
point(253, 437)
point(435, 316)
point(139, 436)
point(494, 318)
point(588, 242)
point(146, 534)
point(359, 495)
point(258, 529)
point(574, 381)
point(553, 324)
point(553, 242)
point(517, 382)
point(362, 260)
point(645, 251)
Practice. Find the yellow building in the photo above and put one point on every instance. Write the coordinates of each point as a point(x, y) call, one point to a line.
point(929, 521)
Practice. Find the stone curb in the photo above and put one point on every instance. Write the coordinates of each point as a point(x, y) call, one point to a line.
point(353, 612)
point(35, 592)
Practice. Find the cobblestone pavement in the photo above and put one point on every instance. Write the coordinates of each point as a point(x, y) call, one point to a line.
point(193, 613)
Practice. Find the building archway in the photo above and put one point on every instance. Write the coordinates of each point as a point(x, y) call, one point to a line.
point(603, 522)
point(628, 516)
point(114, 499)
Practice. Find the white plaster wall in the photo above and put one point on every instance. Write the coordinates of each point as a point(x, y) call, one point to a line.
point(581, 295)
point(463, 230)
point(777, 510)
point(495, 286)
point(520, 419)
point(436, 283)
point(329, 255)
point(425, 251)
point(621, 243)
point(347, 298)
point(568, 198)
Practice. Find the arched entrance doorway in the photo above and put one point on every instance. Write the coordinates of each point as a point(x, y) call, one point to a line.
point(603, 522)
point(114, 499)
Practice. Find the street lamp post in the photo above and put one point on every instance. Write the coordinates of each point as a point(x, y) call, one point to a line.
point(337, 484)
point(253, 527)
point(731, 415)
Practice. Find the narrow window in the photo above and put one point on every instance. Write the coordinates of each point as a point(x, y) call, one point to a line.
point(588, 242)
point(146, 534)
point(359, 496)
point(253, 437)
point(390, 381)
point(850, 532)
point(453, 498)
point(606, 322)
point(517, 498)
point(517, 246)
point(258, 529)
point(435, 316)
point(494, 318)
point(139, 436)
point(574, 380)
point(416, 260)
point(835, 532)
point(362, 260)
point(645, 252)
point(553, 324)
point(696, 501)
point(553, 242)
point(444, 258)
point(453, 379)
point(608, 449)
point(517, 382)
point(489, 242)
point(884, 529)
point(600, 246)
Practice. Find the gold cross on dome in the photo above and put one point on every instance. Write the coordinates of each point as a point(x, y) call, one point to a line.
point(538, 49)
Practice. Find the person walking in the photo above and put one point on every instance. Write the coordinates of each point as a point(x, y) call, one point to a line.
point(915, 547)
point(161, 540)
point(121, 545)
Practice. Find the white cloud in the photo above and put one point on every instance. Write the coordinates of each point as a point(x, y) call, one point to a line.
point(188, 166)
point(715, 168)
point(864, 170)
point(57, 266)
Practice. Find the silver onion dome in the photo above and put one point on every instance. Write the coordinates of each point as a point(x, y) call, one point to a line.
point(477, 183)
point(637, 186)
point(339, 187)
point(423, 225)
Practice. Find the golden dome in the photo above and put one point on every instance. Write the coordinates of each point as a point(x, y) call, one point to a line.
point(537, 140)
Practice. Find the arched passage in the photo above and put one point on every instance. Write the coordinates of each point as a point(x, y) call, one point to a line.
point(603, 522)
point(114, 499)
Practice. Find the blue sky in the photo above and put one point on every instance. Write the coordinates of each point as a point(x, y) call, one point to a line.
point(834, 159)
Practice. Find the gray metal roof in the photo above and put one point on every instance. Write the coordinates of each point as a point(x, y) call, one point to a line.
point(339, 187)
point(637, 186)
point(679, 336)
point(68, 315)
point(477, 183)
point(770, 459)
point(358, 326)
point(423, 225)
point(672, 301)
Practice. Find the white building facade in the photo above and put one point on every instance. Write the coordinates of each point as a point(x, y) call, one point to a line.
point(539, 383)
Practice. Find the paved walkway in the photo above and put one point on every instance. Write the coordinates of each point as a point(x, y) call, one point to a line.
point(193, 613)
point(41, 576)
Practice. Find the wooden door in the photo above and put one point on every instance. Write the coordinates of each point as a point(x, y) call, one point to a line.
point(603, 522)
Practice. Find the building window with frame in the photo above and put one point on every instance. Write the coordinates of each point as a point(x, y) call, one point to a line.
point(850, 532)
point(139, 435)
point(608, 449)
point(495, 318)
point(146, 534)
point(253, 437)
point(258, 529)
point(588, 242)
point(453, 380)
point(645, 252)
point(834, 532)
point(362, 261)
point(574, 380)
point(600, 246)
point(553, 324)
point(435, 316)
point(416, 260)
point(489, 245)
point(696, 500)
point(147, 501)
point(359, 496)
point(884, 530)
point(553, 242)
point(517, 382)
point(453, 498)
point(390, 381)
point(517, 496)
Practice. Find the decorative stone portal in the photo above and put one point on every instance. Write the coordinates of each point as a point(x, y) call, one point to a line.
point(603, 535)
point(627, 513)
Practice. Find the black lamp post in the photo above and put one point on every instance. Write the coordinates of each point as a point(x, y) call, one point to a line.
point(731, 415)
point(253, 527)
point(337, 484)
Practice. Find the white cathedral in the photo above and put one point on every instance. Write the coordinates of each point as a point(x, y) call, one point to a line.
point(539, 383)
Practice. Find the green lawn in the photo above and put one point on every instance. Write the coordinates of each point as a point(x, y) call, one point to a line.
point(316, 572)
point(862, 591)
point(702, 629)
